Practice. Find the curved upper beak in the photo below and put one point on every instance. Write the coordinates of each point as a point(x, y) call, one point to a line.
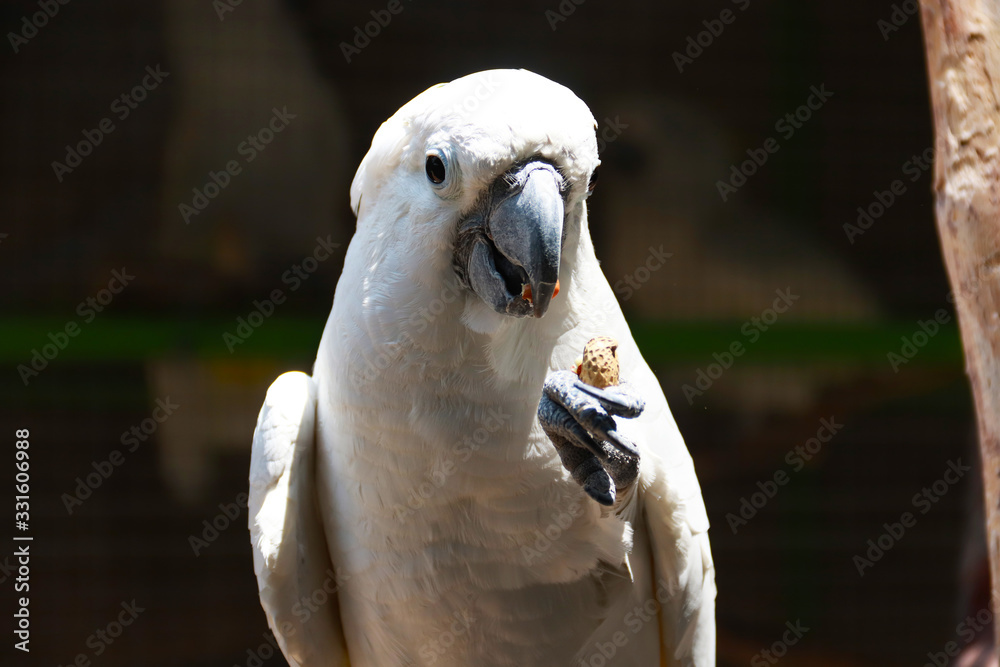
point(527, 228)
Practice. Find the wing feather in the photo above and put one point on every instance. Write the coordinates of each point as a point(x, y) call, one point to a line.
point(672, 507)
point(295, 577)
point(682, 562)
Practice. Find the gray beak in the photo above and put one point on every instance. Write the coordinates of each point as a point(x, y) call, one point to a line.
point(519, 240)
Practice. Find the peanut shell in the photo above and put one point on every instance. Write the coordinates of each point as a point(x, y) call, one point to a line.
point(600, 362)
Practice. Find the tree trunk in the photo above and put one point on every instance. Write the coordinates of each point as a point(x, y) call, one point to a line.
point(963, 62)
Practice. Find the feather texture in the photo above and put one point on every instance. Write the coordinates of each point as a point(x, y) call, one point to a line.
point(296, 581)
point(460, 537)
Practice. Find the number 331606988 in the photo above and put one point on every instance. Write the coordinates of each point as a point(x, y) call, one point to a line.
point(22, 478)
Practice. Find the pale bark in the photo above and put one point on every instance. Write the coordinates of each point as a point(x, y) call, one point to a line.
point(963, 61)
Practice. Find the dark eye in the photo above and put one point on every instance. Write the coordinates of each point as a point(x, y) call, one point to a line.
point(435, 169)
point(593, 179)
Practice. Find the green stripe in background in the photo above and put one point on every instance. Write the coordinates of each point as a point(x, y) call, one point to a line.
point(135, 339)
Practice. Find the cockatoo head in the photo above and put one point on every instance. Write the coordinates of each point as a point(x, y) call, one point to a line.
point(490, 173)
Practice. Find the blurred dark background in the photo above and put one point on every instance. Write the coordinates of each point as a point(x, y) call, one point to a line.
point(671, 136)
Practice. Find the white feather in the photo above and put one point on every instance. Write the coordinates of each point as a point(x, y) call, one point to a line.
point(461, 538)
point(296, 581)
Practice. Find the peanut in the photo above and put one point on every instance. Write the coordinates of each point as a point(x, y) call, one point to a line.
point(599, 366)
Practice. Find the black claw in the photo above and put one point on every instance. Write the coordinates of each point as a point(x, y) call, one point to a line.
point(622, 469)
point(599, 487)
point(586, 470)
point(595, 419)
point(605, 397)
point(557, 421)
point(578, 420)
point(621, 401)
point(623, 445)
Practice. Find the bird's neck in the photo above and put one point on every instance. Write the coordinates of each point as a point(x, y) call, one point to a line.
point(413, 364)
point(410, 321)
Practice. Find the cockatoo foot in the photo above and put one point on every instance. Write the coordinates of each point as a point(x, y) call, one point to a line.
point(580, 422)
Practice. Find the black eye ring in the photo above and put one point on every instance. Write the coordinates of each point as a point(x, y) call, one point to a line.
point(593, 179)
point(434, 166)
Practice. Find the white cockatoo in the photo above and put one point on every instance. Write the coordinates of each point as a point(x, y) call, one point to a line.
point(443, 490)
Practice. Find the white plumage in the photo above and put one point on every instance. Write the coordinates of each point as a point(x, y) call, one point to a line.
point(444, 522)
